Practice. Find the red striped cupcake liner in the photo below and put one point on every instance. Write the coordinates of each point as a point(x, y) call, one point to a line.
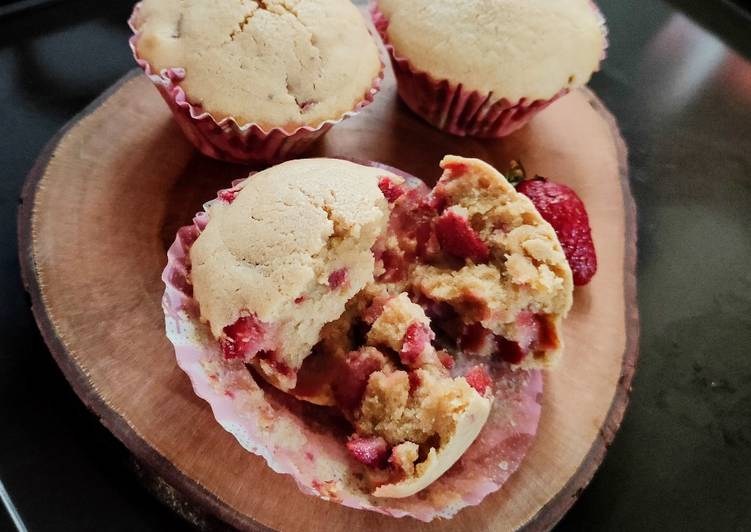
point(225, 139)
point(290, 439)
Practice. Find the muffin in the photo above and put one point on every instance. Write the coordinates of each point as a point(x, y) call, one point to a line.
point(257, 81)
point(417, 318)
point(282, 256)
point(484, 68)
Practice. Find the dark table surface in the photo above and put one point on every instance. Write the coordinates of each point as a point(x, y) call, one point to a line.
point(682, 460)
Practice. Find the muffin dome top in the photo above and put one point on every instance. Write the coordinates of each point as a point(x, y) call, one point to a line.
point(512, 48)
point(290, 249)
point(276, 63)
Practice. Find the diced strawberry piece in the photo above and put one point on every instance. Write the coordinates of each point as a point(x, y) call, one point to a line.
point(446, 359)
point(477, 340)
point(338, 278)
point(438, 310)
point(479, 379)
point(456, 168)
point(228, 195)
point(373, 451)
point(438, 201)
point(414, 381)
point(374, 311)
point(527, 330)
point(390, 190)
point(416, 339)
point(352, 380)
point(548, 338)
point(394, 265)
point(562, 208)
point(299, 300)
point(473, 306)
point(510, 351)
point(411, 222)
point(535, 332)
point(243, 338)
point(459, 239)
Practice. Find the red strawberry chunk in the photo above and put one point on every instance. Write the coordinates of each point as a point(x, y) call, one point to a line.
point(477, 340)
point(374, 311)
point(527, 330)
point(562, 208)
point(228, 195)
point(414, 381)
point(243, 339)
point(391, 190)
point(411, 222)
point(479, 379)
point(548, 339)
point(395, 265)
point(446, 359)
point(456, 168)
point(373, 451)
point(416, 339)
point(338, 278)
point(535, 332)
point(352, 380)
point(438, 201)
point(510, 351)
point(459, 239)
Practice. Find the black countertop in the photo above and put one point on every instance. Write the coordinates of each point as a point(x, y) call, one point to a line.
point(682, 460)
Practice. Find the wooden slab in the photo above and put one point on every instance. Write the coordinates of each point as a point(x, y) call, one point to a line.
point(104, 201)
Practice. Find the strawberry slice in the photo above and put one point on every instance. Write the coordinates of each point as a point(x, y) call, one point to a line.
point(479, 379)
point(352, 380)
point(510, 351)
point(562, 208)
point(417, 337)
point(391, 190)
point(244, 338)
point(373, 451)
point(477, 340)
point(457, 238)
point(338, 278)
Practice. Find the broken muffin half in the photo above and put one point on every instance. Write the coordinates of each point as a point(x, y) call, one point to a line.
point(349, 286)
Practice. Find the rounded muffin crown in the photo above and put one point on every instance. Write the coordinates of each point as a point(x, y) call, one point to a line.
point(274, 63)
point(512, 49)
point(274, 251)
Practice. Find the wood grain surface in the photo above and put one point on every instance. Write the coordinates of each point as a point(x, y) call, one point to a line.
point(104, 202)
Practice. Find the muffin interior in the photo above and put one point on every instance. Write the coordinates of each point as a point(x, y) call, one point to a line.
point(470, 267)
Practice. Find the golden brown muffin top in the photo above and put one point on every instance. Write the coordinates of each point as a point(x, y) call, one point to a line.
point(276, 63)
point(511, 48)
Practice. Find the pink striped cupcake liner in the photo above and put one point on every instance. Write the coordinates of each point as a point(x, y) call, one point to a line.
point(451, 107)
point(287, 432)
point(227, 140)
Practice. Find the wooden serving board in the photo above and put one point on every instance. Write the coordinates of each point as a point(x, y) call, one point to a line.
point(105, 200)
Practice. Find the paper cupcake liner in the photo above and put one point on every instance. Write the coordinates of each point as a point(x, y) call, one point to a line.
point(451, 107)
point(287, 432)
point(226, 140)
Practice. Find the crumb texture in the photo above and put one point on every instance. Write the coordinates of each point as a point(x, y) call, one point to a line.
point(430, 411)
point(276, 63)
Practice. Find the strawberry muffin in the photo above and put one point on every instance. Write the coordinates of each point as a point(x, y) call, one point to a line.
point(366, 334)
point(257, 80)
point(484, 68)
point(282, 255)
